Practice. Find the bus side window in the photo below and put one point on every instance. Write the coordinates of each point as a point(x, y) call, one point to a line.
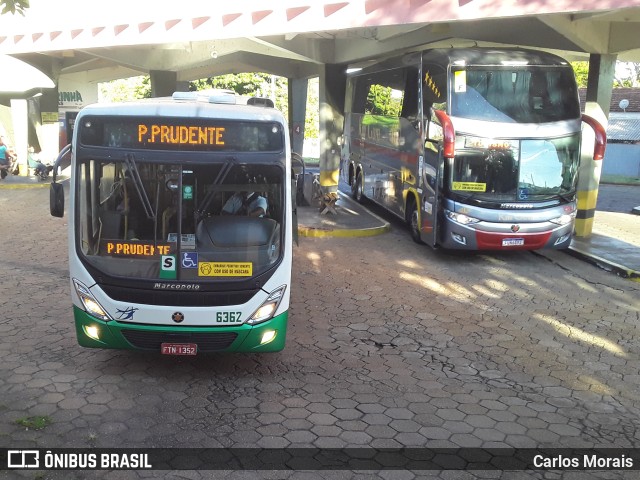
point(434, 97)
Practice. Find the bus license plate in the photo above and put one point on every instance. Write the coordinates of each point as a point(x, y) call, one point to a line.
point(178, 348)
point(512, 242)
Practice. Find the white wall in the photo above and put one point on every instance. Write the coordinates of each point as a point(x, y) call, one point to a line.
point(622, 159)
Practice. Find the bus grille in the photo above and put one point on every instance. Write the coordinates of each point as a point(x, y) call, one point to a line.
point(207, 342)
point(178, 298)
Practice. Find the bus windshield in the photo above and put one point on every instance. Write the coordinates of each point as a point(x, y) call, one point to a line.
point(218, 220)
point(516, 170)
point(514, 94)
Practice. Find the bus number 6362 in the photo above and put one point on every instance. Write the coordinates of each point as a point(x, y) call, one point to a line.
point(227, 317)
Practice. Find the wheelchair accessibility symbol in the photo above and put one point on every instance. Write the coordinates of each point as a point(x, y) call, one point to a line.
point(189, 260)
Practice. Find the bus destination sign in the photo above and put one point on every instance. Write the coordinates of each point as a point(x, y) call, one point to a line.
point(134, 249)
point(151, 134)
point(181, 134)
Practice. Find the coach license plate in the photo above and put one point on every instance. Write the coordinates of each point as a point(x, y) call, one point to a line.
point(512, 242)
point(178, 348)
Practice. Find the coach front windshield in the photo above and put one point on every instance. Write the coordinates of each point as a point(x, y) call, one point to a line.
point(514, 94)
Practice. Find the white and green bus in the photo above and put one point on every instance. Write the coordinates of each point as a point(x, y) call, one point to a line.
point(158, 259)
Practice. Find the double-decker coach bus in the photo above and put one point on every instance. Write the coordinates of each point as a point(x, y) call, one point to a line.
point(180, 225)
point(475, 148)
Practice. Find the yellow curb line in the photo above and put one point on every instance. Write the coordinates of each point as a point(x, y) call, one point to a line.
point(16, 186)
point(342, 233)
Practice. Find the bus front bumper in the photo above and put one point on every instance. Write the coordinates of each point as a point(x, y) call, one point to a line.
point(473, 237)
point(265, 337)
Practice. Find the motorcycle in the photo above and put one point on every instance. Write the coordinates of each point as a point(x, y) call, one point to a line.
point(42, 171)
point(8, 168)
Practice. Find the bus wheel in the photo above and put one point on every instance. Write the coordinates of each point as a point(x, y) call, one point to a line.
point(413, 221)
point(358, 188)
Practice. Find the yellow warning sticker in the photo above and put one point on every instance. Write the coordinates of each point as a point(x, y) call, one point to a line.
point(460, 81)
point(225, 269)
point(469, 186)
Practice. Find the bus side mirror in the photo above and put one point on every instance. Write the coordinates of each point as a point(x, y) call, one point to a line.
point(56, 200)
point(56, 191)
point(449, 134)
point(601, 136)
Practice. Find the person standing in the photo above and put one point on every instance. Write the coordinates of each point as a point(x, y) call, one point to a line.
point(6, 157)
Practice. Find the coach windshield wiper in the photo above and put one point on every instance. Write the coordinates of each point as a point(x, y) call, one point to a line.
point(130, 162)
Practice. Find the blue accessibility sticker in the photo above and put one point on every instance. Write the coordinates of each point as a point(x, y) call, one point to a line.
point(189, 260)
point(523, 193)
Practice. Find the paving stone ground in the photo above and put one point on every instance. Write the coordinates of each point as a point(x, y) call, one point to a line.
point(390, 344)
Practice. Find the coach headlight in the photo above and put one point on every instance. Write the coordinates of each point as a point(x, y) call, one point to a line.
point(91, 305)
point(461, 218)
point(268, 307)
point(564, 219)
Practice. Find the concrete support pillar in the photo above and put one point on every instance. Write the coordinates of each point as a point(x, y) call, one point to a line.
point(163, 83)
point(297, 112)
point(332, 84)
point(49, 135)
point(599, 90)
point(20, 117)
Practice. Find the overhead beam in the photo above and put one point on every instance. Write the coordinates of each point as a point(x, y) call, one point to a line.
point(587, 34)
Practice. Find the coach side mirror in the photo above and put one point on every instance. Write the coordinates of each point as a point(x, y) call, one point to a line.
point(56, 200)
point(601, 136)
point(448, 132)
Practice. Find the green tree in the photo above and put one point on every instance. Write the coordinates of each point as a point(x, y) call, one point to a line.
point(382, 101)
point(249, 84)
point(125, 89)
point(14, 6)
point(627, 74)
point(581, 70)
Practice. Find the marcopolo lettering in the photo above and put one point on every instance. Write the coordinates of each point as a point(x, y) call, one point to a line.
point(176, 286)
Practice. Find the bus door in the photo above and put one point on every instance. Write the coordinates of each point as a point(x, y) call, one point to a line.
point(431, 163)
point(430, 168)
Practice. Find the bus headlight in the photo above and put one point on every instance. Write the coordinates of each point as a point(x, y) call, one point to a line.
point(268, 307)
point(91, 305)
point(564, 219)
point(461, 218)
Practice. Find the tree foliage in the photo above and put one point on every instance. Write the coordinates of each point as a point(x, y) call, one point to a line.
point(246, 84)
point(14, 6)
point(581, 70)
point(249, 84)
point(125, 89)
point(627, 74)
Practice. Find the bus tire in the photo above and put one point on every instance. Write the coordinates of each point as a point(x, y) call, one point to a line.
point(358, 187)
point(413, 217)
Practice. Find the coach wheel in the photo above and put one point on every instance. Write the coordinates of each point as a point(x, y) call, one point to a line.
point(358, 190)
point(413, 219)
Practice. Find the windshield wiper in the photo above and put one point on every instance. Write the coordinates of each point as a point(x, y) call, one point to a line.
point(129, 161)
point(465, 198)
point(222, 174)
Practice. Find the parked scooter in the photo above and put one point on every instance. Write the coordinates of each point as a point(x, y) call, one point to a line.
point(8, 168)
point(42, 171)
